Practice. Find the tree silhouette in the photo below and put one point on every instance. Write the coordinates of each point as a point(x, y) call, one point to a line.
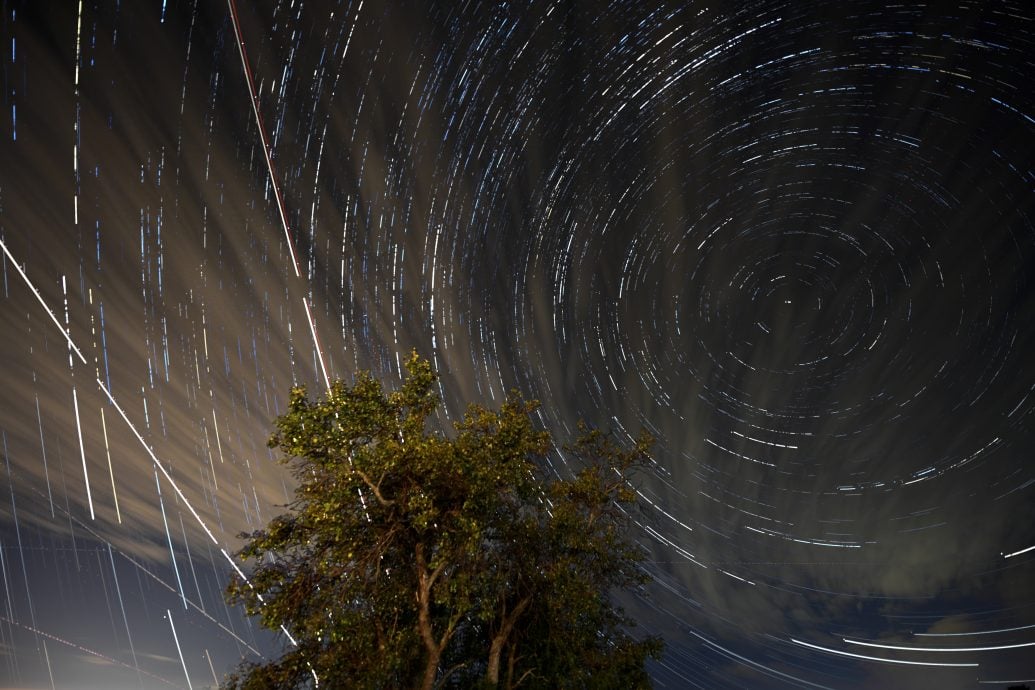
point(413, 558)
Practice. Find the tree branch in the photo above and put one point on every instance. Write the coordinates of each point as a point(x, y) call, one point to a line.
point(373, 487)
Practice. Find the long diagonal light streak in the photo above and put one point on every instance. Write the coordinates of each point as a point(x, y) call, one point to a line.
point(274, 183)
point(111, 398)
point(168, 536)
point(186, 673)
point(85, 650)
point(262, 135)
point(122, 606)
point(232, 5)
point(43, 303)
point(143, 569)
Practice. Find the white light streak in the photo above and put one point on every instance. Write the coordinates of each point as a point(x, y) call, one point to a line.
point(43, 450)
point(111, 471)
point(273, 180)
point(219, 444)
point(122, 606)
point(316, 342)
point(877, 658)
point(168, 536)
point(262, 135)
point(1018, 553)
point(978, 632)
point(904, 648)
point(82, 450)
point(39, 297)
point(179, 651)
point(762, 667)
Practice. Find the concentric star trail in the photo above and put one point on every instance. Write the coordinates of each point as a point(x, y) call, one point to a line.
point(794, 241)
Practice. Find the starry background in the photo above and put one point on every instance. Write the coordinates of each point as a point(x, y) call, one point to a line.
point(794, 240)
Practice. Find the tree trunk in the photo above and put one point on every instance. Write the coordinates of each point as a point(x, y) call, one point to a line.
point(434, 651)
point(430, 671)
point(492, 673)
point(511, 658)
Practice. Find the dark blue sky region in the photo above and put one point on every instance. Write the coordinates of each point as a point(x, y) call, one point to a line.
point(794, 240)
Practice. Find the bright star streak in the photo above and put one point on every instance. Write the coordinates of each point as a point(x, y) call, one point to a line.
point(168, 615)
point(978, 632)
point(1018, 553)
point(877, 658)
point(904, 648)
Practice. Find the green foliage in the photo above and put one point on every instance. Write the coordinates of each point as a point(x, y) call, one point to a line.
point(409, 558)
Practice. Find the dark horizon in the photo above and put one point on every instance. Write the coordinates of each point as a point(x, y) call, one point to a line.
point(793, 241)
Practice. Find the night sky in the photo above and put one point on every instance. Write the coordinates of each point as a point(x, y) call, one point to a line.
point(794, 240)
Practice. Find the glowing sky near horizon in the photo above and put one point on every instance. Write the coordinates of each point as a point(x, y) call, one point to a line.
point(794, 241)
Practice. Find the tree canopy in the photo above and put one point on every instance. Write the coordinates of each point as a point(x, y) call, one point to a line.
point(414, 558)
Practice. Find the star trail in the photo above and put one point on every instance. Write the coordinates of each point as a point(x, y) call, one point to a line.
point(793, 240)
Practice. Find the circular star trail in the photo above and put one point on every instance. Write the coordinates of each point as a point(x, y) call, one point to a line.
point(793, 241)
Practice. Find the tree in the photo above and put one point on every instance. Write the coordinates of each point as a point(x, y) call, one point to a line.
point(413, 558)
